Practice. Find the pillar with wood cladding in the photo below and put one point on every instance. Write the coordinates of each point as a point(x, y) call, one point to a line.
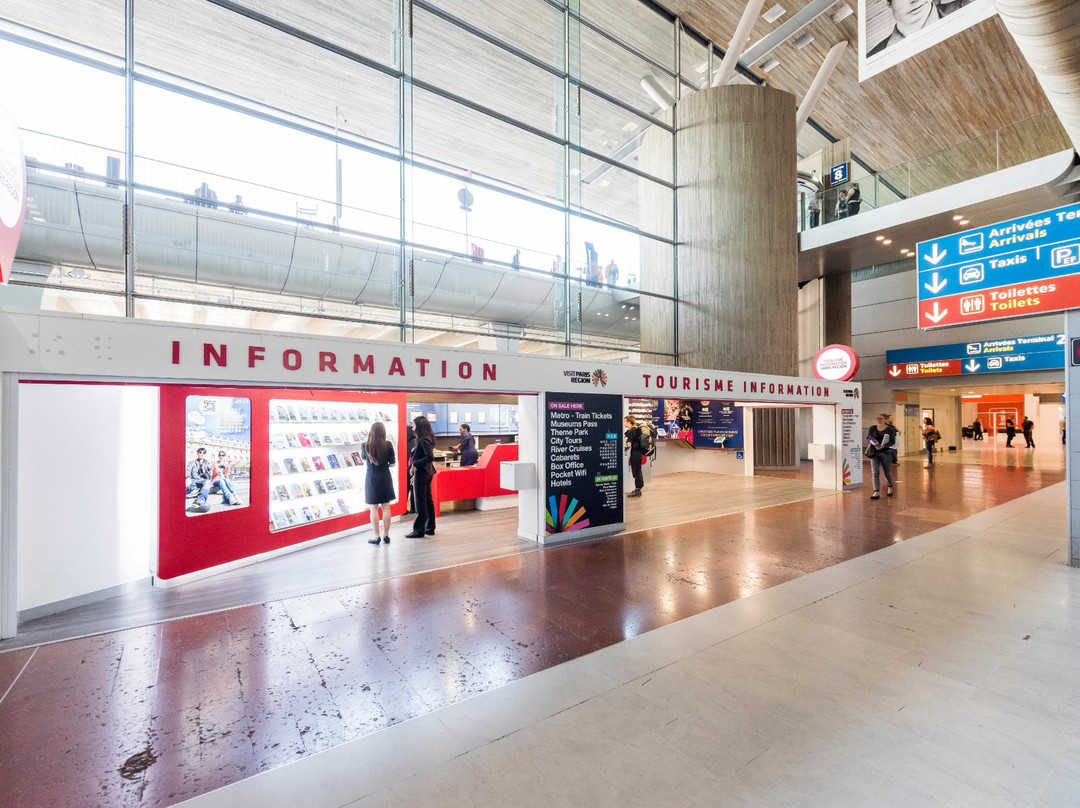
point(737, 273)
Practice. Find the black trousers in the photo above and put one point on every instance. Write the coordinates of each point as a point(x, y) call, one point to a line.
point(425, 508)
point(635, 469)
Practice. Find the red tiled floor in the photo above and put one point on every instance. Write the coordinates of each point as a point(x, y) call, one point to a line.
point(194, 704)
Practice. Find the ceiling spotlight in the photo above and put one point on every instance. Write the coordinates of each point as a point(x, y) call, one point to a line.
point(887, 241)
point(958, 217)
point(774, 13)
point(803, 41)
point(963, 221)
point(769, 64)
point(880, 238)
point(842, 13)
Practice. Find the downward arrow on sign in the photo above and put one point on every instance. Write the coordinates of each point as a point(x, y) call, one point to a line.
point(936, 316)
point(894, 371)
point(935, 255)
point(935, 285)
point(972, 366)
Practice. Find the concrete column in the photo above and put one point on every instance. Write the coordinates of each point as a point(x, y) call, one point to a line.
point(738, 247)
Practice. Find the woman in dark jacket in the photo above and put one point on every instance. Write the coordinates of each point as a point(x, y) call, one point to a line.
point(880, 439)
point(378, 454)
point(633, 443)
point(423, 463)
point(1010, 431)
point(467, 448)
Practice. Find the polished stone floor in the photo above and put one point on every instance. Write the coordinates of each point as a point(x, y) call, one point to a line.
point(163, 712)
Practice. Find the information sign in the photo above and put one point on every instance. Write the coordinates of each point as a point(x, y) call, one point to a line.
point(585, 461)
point(1023, 266)
point(838, 174)
point(1042, 352)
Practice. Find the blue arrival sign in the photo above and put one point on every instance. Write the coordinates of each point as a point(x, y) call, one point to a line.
point(838, 174)
point(1010, 269)
point(1042, 352)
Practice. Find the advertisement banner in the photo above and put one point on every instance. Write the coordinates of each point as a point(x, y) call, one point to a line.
point(891, 31)
point(717, 425)
point(12, 191)
point(217, 441)
point(851, 446)
point(585, 461)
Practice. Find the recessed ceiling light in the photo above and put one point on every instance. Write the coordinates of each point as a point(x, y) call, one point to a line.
point(880, 238)
point(963, 221)
point(774, 13)
point(842, 13)
point(887, 241)
point(803, 41)
point(958, 217)
point(769, 64)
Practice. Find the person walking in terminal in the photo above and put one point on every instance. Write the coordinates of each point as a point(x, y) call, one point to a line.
point(423, 460)
point(930, 436)
point(633, 443)
point(467, 447)
point(1026, 426)
point(977, 430)
point(200, 478)
point(893, 451)
point(378, 454)
point(880, 438)
point(1010, 431)
point(223, 480)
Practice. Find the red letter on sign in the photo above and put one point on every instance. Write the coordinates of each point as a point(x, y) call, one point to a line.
point(255, 354)
point(291, 359)
point(327, 361)
point(209, 352)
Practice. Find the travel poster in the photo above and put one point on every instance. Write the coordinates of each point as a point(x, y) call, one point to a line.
point(584, 441)
point(217, 453)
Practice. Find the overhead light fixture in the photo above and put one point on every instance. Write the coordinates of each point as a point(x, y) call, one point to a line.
point(803, 41)
point(842, 13)
point(887, 241)
point(963, 221)
point(769, 64)
point(958, 217)
point(774, 13)
point(880, 238)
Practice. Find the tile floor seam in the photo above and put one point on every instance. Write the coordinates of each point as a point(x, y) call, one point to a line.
point(18, 675)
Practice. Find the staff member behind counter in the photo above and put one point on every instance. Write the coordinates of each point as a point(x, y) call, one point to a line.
point(467, 447)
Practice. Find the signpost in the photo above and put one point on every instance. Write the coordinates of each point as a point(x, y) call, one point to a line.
point(838, 174)
point(1042, 352)
point(1023, 266)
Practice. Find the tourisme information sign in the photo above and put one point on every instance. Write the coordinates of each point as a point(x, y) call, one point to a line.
point(1042, 352)
point(1016, 268)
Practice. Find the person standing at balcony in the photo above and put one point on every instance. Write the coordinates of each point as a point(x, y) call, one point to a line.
point(854, 200)
point(841, 205)
point(815, 209)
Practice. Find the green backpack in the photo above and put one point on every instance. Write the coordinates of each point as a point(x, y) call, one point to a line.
point(648, 440)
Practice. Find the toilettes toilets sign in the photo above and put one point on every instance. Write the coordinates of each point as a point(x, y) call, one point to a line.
point(12, 191)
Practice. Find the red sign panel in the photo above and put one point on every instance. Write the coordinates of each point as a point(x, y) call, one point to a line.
point(12, 191)
point(1013, 300)
point(915, 370)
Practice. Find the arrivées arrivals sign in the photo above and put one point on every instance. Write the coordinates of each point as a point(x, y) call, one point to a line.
point(1020, 267)
point(1041, 352)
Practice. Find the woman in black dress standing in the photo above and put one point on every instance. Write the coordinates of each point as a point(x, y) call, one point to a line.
point(378, 454)
point(423, 460)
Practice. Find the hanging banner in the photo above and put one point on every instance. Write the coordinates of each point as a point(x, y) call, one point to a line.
point(584, 440)
point(12, 191)
point(891, 31)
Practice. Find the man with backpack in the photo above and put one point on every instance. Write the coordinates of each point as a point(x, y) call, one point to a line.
point(639, 440)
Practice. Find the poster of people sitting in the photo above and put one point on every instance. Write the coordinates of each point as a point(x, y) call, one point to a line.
point(891, 31)
point(217, 453)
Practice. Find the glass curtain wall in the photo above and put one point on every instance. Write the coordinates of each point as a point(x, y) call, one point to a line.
point(455, 172)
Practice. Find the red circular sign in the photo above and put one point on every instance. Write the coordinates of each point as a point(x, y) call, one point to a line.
point(836, 363)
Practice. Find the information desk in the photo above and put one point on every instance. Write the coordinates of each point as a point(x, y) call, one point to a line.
point(473, 482)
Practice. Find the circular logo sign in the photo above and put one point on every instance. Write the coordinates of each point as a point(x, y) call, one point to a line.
point(836, 363)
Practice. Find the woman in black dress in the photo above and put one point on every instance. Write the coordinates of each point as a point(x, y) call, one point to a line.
point(423, 461)
point(378, 454)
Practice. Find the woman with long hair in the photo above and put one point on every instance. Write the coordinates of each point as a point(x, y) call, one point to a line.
point(378, 454)
point(929, 436)
point(880, 439)
point(423, 461)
